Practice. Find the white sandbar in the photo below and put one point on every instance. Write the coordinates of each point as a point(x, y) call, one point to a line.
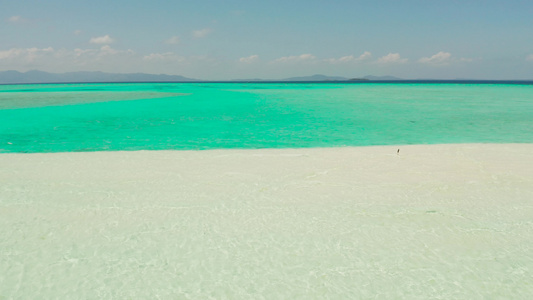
point(434, 222)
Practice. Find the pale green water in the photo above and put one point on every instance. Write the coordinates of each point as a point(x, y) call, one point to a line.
point(156, 116)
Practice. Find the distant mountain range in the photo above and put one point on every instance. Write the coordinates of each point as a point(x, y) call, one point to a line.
point(316, 77)
point(45, 77)
point(320, 77)
point(370, 77)
point(7, 77)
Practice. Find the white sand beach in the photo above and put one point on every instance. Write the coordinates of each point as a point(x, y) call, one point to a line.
point(434, 222)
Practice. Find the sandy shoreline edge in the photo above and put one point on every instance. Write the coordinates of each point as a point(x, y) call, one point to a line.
point(446, 221)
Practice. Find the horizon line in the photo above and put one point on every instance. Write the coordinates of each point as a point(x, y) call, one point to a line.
point(242, 80)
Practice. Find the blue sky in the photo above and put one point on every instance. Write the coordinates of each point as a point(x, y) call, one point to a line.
point(274, 39)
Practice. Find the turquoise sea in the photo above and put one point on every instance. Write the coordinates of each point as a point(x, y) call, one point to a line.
point(157, 116)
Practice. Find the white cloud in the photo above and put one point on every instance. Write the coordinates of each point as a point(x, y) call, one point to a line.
point(16, 20)
point(169, 62)
point(173, 40)
point(200, 33)
point(250, 59)
point(80, 52)
point(105, 50)
point(106, 58)
point(25, 55)
point(167, 56)
point(295, 59)
point(439, 59)
point(66, 60)
point(344, 59)
point(365, 56)
point(392, 58)
point(77, 32)
point(350, 58)
point(106, 39)
point(529, 57)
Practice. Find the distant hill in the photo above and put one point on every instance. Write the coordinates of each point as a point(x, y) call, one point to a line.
point(248, 79)
point(45, 77)
point(376, 78)
point(316, 77)
point(320, 77)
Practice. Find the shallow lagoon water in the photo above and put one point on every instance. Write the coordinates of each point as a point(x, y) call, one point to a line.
point(191, 116)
